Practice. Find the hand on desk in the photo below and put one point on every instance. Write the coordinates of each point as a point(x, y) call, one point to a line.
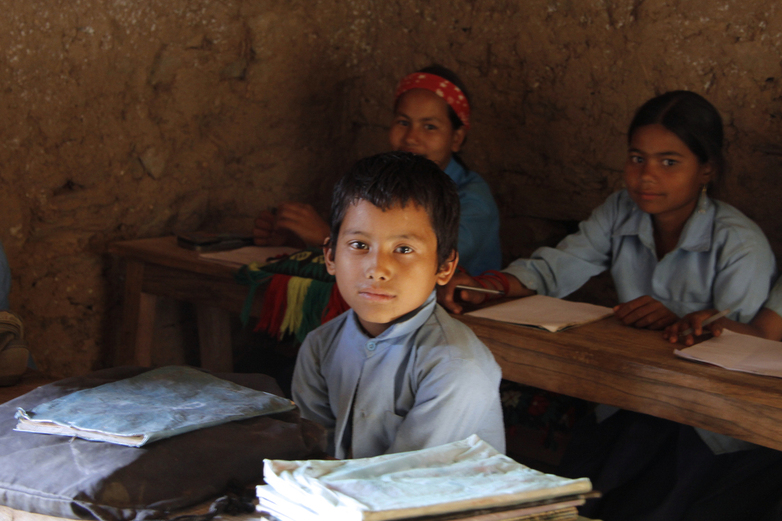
point(447, 294)
point(645, 312)
point(694, 321)
point(295, 224)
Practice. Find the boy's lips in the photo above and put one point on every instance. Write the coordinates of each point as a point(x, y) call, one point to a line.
point(375, 294)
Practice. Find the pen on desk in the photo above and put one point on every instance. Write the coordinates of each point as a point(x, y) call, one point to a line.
point(706, 322)
point(480, 290)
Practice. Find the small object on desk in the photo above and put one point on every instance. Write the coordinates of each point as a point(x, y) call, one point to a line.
point(248, 255)
point(737, 352)
point(706, 322)
point(549, 313)
point(206, 241)
point(480, 290)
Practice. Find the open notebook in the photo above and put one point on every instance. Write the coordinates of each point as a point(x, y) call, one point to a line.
point(549, 313)
point(737, 352)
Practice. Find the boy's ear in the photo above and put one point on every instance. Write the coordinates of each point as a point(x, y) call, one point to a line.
point(448, 268)
point(458, 139)
point(328, 257)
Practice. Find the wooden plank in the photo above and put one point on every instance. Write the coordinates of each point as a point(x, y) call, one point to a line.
point(610, 363)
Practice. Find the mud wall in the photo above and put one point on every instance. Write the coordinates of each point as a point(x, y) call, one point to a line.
point(133, 119)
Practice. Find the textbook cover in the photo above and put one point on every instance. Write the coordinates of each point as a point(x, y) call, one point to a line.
point(154, 405)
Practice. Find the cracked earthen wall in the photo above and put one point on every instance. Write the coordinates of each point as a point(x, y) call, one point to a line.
point(125, 119)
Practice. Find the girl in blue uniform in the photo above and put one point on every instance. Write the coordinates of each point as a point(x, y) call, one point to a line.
point(431, 118)
point(672, 250)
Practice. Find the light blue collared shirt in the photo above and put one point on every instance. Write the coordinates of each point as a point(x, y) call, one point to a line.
point(722, 261)
point(425, 381)
point(479, 224)
point(5, 280)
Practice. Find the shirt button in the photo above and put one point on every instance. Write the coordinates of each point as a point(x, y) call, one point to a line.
point(371, 346)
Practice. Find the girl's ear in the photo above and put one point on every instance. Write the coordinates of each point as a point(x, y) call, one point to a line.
point(707, 173)
point(448, 268)
point(328, 257)
point(457, 140)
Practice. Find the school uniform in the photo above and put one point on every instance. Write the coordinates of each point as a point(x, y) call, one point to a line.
point(649, 468)
point(425, 381)
point(723, 259)
point(479, 223)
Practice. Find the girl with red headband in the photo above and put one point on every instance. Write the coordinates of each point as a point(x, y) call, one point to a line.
point(431, 118)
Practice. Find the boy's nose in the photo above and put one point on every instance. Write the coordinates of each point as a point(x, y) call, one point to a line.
point(379, 267)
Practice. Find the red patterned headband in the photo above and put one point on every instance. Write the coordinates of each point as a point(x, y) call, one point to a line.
point(452, 94)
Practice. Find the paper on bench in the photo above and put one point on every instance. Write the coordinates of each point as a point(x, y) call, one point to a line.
point(549, 313)
point(737, 352)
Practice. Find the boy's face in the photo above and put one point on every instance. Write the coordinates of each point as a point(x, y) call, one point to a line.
point(385, 262)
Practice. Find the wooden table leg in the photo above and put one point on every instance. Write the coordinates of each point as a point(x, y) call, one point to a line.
point(214, 336)
point(138, 318)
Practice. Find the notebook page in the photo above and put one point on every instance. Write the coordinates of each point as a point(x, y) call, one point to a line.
point(549, 313)
point(737, 352)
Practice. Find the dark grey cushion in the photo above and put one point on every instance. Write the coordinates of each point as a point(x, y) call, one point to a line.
point(79, 479)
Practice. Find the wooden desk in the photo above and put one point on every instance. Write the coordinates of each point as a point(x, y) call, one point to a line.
point(604, 362)
point(610, 363)
point(159, 268)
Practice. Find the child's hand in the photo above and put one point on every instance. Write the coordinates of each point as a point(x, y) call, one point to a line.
point(446, 294)
point(264, 232)
point(304, 222)
point(645, 312)
point(693, 320)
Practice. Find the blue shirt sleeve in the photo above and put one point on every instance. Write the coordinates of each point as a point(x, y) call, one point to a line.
point(557, 272)
point(774, 302)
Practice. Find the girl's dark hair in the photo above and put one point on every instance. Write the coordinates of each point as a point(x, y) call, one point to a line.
point(692, 118)
point(448, 74)
point(397, 179)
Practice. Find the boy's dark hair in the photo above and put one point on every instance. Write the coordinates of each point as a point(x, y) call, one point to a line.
point(400, 178)
point(692, 118)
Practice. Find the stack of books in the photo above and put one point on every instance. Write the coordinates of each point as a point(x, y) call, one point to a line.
point(465, 480)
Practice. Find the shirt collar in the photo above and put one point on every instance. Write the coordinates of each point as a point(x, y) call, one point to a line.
point(696, 235)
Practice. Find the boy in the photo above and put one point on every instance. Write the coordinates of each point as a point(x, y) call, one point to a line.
point(396, 372)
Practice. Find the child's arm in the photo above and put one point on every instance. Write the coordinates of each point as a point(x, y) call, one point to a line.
point(447, 295)
point(645, 312)
point(297, 219)
point(456, 399)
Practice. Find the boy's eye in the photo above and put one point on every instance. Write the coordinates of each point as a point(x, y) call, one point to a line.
point(429, 126)
point(357, 245)
point(669, 162)
point(401, 122)
point(636, 159)
point(404, 249)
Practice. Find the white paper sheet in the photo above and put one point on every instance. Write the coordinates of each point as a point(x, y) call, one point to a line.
point(737, 352)
point(549, 313)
